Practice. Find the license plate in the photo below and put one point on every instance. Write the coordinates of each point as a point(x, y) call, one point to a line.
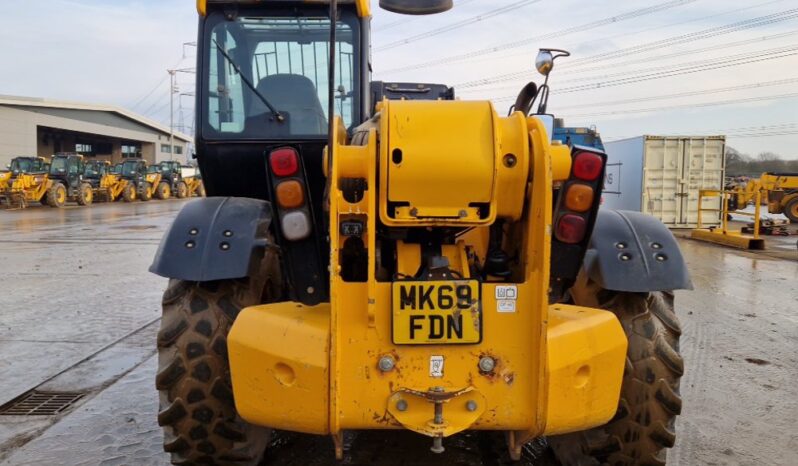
point(445, 312)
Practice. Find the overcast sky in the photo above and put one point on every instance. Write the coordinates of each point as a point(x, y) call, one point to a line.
point(643, 67)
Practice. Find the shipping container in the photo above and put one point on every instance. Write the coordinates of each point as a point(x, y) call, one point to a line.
point(662, 176)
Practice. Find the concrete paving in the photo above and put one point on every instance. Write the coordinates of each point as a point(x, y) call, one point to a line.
point(79, 312)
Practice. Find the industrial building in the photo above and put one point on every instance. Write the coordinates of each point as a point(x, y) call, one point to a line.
point(32, 126)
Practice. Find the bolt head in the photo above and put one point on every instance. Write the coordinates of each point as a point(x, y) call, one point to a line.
point(227, 233)
point(471, 405)
point(190, 244)
point(386, 364)
point(401, 405)
point(487, 364)
point(193, 232)
point(224, 246)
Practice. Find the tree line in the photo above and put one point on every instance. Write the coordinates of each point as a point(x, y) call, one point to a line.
point(739, 164)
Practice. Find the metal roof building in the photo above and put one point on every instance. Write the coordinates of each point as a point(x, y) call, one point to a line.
point(31, 126)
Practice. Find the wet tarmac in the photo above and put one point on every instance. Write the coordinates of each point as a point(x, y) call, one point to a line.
point(79, 313)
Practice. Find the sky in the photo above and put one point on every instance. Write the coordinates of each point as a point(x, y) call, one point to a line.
point(688, 67)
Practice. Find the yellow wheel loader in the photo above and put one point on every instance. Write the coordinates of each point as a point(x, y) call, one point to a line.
point(421, 264)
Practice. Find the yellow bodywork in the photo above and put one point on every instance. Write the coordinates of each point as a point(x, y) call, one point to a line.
point(778, 189)
point(363, 6)
point(193, 185)
point(25, 188)
point(558, 368)
point(5, 177)
point(112, 185)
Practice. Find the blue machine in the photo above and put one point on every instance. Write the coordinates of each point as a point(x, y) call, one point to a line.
point(578, 136)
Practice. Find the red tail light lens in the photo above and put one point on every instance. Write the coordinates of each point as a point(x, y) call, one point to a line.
point(571, 229)
point(284, 161)
point(588, 166)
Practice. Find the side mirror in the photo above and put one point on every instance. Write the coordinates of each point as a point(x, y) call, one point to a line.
point(544, 62)
point(416, 7)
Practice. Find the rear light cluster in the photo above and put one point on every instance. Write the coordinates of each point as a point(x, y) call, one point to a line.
point(289, 189)
point(578, 197)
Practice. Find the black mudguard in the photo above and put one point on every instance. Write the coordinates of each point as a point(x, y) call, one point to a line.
point(634, 252)
point(214, 238)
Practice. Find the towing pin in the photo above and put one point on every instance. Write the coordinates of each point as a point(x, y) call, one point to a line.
point(437, 445)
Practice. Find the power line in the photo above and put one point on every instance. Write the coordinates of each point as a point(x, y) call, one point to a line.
point(155, 88)
point(762, 129)
point(474, 87)
point(670, 71)
point(693, 105)
point(646, 47)
point(742, 87)
point(457, 25)
point(156, 102)
point(519, 43)
point(745, 57)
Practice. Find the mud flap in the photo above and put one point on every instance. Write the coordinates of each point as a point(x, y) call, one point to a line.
point(214, 238)
point(634, 252)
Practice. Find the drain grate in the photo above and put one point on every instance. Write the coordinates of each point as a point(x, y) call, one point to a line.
point(37, 403)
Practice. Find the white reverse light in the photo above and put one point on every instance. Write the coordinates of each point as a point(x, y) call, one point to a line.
point(296, 225)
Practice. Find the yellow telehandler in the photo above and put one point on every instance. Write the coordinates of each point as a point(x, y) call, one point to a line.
point(780, 190)
point(107, 186)
point(422, 264)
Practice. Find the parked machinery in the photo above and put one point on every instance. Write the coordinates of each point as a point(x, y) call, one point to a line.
point(167, 177)
point(107, 186)
point(134, 171)
point(66, 174)
point(61, 182)
point(193, 179)
point(24, 189)
point(435, 268)
point(780, 190)
point(21, 165)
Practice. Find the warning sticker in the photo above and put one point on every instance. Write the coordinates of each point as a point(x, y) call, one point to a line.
point(436, 366)
point(505, 305)
point(506, 292)
point(506, 296)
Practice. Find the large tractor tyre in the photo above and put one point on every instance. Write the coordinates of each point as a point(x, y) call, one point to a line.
point(182, 190)
point(643, 427)
point(129, 193)
point(85, 194)
point(791, 210)
point(56, 195)
point(197, 412)
point(145, 193)
point(163, 192)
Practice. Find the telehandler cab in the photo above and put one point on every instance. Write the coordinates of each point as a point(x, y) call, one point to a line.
point(424, 265)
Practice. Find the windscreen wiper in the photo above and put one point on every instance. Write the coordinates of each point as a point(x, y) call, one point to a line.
point(277, 115)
